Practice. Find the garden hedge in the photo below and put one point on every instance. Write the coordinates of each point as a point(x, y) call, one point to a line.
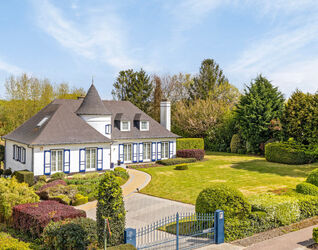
point(10, 243)
point(80, 199)
point(181, 167)
point(284, 152)
point(32, 218)
point(224, 197)
point(313, 177)
point(190, 143)
point(52, 184)
point(198, 154)
point(122, 247)
point(307, 188)
point(175, 161)
point(57, 176)
point(236, 143)
point(24, 176)
point(64, 194)
point(76, 233)
point(315, 234)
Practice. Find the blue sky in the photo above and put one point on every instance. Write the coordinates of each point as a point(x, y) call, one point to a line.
point(72, 40)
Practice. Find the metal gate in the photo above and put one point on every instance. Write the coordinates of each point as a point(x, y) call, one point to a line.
point(179, 231)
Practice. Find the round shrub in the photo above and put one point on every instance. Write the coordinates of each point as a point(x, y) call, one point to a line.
point(110, 205)
point(236, 143)
point(313, 177)
point(181, 167)
point(307, 188)
point(57, 176)
point(224, 197)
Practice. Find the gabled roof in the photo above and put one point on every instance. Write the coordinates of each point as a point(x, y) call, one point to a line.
point(92, 104)
point(62, 127)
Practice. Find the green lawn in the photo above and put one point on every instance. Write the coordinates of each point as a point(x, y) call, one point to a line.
point(250, 174)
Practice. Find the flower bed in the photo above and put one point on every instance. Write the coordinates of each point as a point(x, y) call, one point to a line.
point(33, 217)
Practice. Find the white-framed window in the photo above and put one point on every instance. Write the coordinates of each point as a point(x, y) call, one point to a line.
point(165, 150)
point(19, 154)
point(125, 126)
point(56, 160)
point(91, 158)
point(127, 152)
point(22, 160)
point(147, 151)
point(108, 129)
point(144, 125)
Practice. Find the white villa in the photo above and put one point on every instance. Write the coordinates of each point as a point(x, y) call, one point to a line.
point(89, 134)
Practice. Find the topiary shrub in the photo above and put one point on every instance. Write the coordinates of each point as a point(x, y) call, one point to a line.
point(110, 205)
point(76, 233)
point(236, 143)
point(282, 209)
point(198, 154)
point(315, 234)
point(80, 199)
point(64, 194)
point(24, 176)
point(10, 243)
point(57, 176)
point(190, 143)
point(313, 177)
point(307, 188)
point(181, 167)
point(175, 161)
point(14, 193)
point(222, 196)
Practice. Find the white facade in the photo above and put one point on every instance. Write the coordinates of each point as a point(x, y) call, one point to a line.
point(99, 122)
point(14, 164)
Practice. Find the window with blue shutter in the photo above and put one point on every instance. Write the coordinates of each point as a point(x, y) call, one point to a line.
point(82, 160)
point(135, 152)
point(67, 161)
point(141, 152)
point(99, 159)
point(159, 151)
point(47, 162)
point(153, 151)
point(108, 129)
point(121, 153)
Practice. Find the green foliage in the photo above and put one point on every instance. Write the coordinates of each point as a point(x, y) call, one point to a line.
point(24, 176)
point(308, 205)
point(57, 176)
point(14, 193)
point(60, 193)
point(8, 242)
point(282, 209)
point(313, 177)
point(110, 206)
point(260, 104)
point(7, 172)
point(79, 200)
point(157, 98)
point(190, 143)
point(224, 197)
point(236, 143)
point(307, 188)
point(70, 234)
point(134, 86)
point(315, 234)
point(289, 153)
point(181, 167)
point(38, 185)
point(175, 161)
point(241, 151)
point(122, 247)
point(300, 118)
point(121, 172)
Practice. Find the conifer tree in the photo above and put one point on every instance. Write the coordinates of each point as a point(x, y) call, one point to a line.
point(157, 97)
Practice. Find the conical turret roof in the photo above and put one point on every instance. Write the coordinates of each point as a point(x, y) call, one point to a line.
point(92, 104)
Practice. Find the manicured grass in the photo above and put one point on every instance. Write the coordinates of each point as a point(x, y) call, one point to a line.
point(250, 174)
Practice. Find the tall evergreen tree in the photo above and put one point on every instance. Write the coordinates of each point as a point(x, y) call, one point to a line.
point(157, 97)
point(135, 87)
point(205, 85)
point(258, 107)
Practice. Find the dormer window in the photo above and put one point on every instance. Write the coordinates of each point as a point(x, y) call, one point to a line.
point(144, 125)
point(125, 126)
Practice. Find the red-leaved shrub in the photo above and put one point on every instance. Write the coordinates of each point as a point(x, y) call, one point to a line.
point(191, 153)
point(52, 184)
point(32, 218)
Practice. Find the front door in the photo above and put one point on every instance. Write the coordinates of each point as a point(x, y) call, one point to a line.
point(91, 159)
point(57, 161)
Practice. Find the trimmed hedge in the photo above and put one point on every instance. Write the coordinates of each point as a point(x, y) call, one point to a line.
point(76, 233)
point(32, 218)
point(175, 161)
point(315, 234)
point(313, 177)
point(198, 154)
point(57, 176)
point(64, 194)
point(190, 143)
point(282, 209)
point(181, 167)
point(224, 197)
point(121, 172)
point(52, 184)
point(236, 143)
point(289, 153)
point(24, 176)
point(8, 242)
point(307, 188)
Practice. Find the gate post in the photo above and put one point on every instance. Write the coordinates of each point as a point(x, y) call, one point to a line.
point(219, 226)
point(177, 231)
point(130, 236)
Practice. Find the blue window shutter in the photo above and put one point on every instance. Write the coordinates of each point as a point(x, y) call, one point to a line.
point(153, 151)
point(159, 151)
point(170, 149)
point(135, 152)
point(82, 160)
point(47, 162)
point(99, 159)
point(121, 153)
point(141, 152)
point(67, 161)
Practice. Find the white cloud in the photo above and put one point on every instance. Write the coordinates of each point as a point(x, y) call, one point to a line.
point(9, 68)
point(97, 36)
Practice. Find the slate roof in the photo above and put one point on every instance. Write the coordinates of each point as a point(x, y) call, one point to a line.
point(65, 126)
